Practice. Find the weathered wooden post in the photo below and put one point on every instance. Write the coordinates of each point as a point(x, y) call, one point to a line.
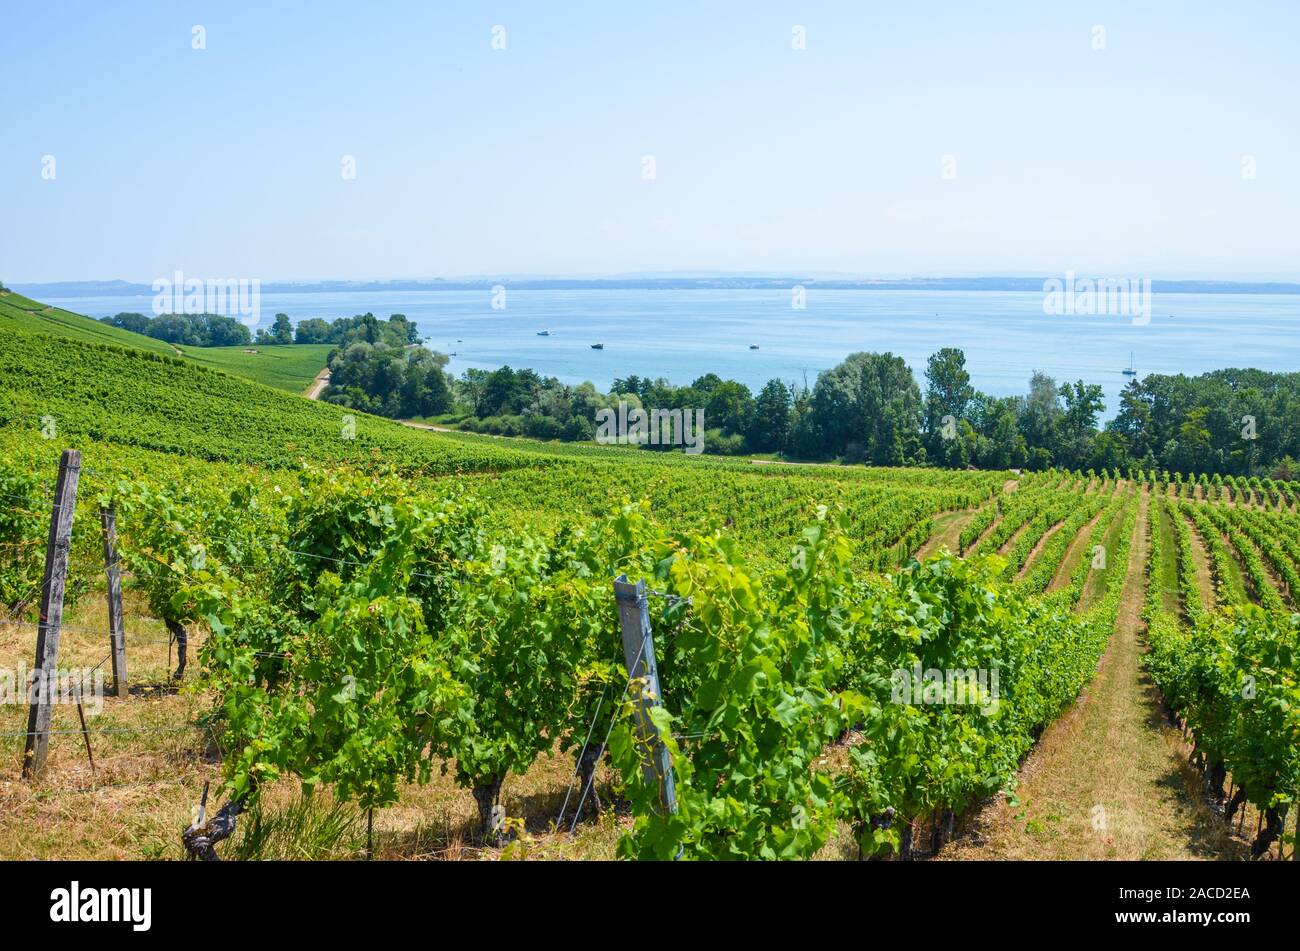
point(116, 636)
point(639, 657)
point(57, 548)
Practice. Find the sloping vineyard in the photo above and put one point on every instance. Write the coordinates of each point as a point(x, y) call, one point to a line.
point(1232, 676)
point(79, 391)
point(363, 632)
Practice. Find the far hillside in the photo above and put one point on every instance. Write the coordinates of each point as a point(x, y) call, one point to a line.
point(23, 313)
point(291, 368)
point(132, 395)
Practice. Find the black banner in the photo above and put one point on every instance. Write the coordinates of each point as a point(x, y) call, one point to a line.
point(925, 899)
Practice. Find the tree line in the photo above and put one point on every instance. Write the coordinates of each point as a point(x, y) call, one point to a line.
point(868, 409)
point(871, 409)
point(187, 330)
point(216, 330)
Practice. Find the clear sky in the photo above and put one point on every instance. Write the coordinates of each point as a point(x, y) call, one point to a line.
point(228, 161)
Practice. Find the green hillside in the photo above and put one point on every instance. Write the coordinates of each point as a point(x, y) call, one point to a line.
point(135, 397)
point(289, 367)
point(23, 313)
point(100, 397)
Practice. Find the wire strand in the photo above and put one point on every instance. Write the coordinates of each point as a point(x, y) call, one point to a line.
point(577, 767)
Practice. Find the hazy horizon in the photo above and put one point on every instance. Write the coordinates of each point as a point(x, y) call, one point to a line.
point(92, 285)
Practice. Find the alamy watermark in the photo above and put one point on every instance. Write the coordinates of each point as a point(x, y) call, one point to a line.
point(956, 687)
point(650, 427)
point(76, 904)
point(1110, 296)
point(65, 685)
point(228, 297)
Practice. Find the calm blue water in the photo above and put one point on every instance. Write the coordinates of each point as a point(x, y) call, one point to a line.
point(682, 334)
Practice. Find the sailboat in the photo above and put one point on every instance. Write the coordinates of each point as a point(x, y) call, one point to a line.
point(1129, 371)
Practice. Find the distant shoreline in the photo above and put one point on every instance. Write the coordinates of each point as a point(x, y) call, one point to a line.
point(67, 289)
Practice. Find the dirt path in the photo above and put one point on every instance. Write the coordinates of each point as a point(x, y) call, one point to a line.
point(1010, 543)
point(1170, 599)
point(323, 380)
point(318, 385)
point(1073, 552)
point(947, 532)
point(993, 527)
point(1241, 578)
point(445, 429)
point(1039, 545)
point(782, 462)
point(1109, 780)
point(1094, 586)
point(1204, 571)
point(1275, 580)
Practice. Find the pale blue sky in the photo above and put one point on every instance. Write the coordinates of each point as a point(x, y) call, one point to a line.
point(227, 161)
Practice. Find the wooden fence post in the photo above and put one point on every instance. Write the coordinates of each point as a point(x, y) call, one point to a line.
point(639, 657)
point(47, 634)
point(116, 636)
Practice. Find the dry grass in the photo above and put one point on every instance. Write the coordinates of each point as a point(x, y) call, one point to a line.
point(1167, 570)
point(149, 775)
point(993, 527)
point(1073, 552)
point(947, 533)
point(1037, 550)
point(1010, 543)
point(1095, 586)
point(1110, 779)
point(1204, 571)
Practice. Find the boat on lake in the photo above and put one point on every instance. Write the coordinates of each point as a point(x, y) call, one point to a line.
point(597, 346)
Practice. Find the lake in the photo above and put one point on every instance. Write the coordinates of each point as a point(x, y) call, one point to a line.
point(682, 334)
